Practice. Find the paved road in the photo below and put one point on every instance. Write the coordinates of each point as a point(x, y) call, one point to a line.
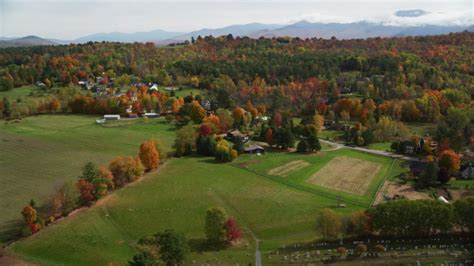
point(258, 258)
point(376, 152)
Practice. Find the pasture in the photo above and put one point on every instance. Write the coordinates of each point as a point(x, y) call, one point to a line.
point(177, 196)
point(346, 174)
point(40, 153)
point(44, 151)
point(271, 164)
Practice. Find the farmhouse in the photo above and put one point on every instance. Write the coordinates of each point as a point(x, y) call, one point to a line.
point(234, 134)
point(466, 171)
point(112, 117)
point(254, 149)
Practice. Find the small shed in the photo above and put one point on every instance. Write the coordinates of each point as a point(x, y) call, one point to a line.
point(112, 117)
point(254, 149)
point(443, 199)
point(151, 115)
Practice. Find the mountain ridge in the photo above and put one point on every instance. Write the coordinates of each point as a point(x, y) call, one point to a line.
point(301, 29)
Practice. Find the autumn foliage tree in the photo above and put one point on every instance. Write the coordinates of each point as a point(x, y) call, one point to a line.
point(149, 155)
point(125, 170)
point(29, 214)
point(450, 160)
point(269, 136)
point(86, 189)
point(232, 230)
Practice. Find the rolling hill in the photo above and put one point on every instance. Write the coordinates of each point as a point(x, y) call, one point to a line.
point(25, 41)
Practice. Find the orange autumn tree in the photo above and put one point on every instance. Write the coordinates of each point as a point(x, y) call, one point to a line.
point(450, 160)
point(212, 119)
point(29, 214)
point(55, 105)
point(149, 155)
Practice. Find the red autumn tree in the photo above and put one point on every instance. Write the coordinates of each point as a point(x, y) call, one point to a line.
point(205, 129)
point(269, 136)
point(149, 155)
point(232, 230)
point(86, 189)
point(277, 119)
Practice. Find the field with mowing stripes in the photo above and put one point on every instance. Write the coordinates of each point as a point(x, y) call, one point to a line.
point(40, 153)
point(298, 169)
point(177, 196)
point(346, 174)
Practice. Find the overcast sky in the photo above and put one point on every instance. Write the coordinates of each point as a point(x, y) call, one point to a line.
point(69, 19)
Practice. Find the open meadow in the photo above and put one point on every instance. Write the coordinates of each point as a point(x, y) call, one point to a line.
point(305, 171)
point(172, 197)
point(38, 154)
point(44, 151)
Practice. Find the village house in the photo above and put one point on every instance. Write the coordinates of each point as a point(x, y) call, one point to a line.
point(254, 149)
point(466, 171)
point(234, 134)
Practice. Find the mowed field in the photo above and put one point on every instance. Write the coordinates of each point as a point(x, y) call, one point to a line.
point(177, 196)
point(316, 174)
point(46, 150)
point(41, 153)
point(346, 174)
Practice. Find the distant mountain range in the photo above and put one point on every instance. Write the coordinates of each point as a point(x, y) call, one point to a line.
point(301, 29)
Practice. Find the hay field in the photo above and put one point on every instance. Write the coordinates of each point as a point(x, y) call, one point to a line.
point(287, 168)
point(346, 174)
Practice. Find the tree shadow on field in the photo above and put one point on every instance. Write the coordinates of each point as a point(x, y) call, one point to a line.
point(202, 245)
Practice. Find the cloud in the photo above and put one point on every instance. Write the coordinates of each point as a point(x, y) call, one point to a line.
point(452, 18)
point(398, 18)
point(410, 13)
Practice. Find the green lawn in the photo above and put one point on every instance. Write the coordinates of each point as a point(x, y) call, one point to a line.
point(330, 134)
point(25, 95)
point(420, 129)
point(382, 146)
point(182, 92)
point(272, 159)
point(40, 153)
point(177, 197)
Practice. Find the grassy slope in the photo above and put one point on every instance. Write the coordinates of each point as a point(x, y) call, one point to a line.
point(42, 152)
point(177, 197)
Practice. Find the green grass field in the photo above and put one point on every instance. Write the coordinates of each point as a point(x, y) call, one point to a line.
point(44, 151)
point(298, 178)
point(40, 153)
point(381, 146)
point(177, 196)
point(26, 95)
